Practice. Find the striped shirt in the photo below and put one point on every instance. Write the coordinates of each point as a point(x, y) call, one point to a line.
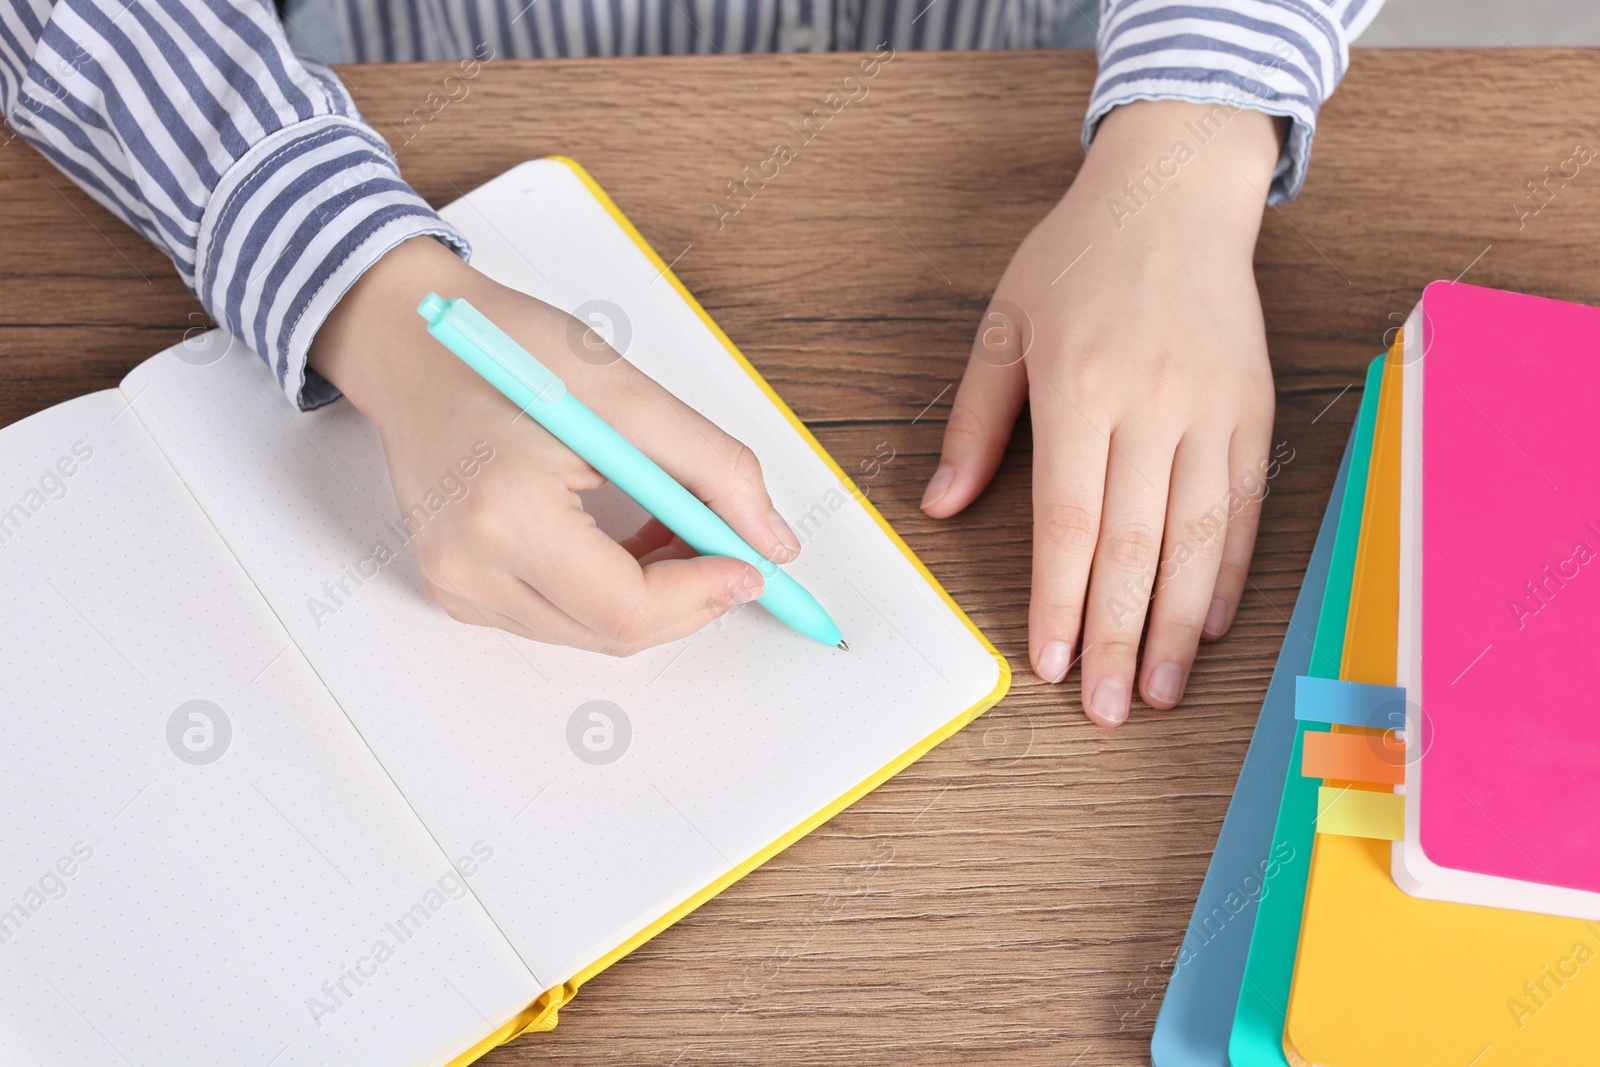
point(241, 155)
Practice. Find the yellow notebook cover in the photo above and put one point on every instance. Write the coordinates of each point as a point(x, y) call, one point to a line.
point(543, 1013)
point(1383, 979)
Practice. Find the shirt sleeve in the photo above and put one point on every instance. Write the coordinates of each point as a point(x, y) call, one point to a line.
point(1283, 57)
point(193, 122)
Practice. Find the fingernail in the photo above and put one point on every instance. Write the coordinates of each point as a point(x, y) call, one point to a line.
point(1166, 684)
point(749, 589)
point(1216, 618)
point(1054, 659)
point(1110, 702)
point(783, 533)
point(938, 485)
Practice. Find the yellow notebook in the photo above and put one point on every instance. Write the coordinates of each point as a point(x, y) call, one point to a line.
point(1383, 979)
point(273, 806)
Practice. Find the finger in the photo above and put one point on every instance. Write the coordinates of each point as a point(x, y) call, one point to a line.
point(595, 580)
point(538, 620)
point(1125, 560)
point(1069, 473)
point(673, 549)
point(986, 406)
point(1196, 528)
point(646, 539)
point(712, 465)
point(518, 608)
point(1247, 458)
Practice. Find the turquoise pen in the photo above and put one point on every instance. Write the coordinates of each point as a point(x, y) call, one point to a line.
point(534, 388)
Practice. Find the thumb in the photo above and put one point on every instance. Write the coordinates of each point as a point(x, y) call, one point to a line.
point(986, 407)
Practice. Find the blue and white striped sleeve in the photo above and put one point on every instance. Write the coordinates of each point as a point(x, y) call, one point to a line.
point(194, 123)
point(1284, 57)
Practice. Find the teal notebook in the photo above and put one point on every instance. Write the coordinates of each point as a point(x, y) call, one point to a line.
point(1257, 1038)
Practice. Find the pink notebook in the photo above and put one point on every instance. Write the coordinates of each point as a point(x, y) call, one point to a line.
point(1500, 601)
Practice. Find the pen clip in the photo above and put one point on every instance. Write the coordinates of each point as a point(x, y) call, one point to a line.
point(494, 344)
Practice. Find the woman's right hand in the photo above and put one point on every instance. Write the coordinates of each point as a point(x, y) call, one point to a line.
point(517, 550)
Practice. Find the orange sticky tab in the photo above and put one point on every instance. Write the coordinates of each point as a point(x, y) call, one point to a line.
point(1354, 757)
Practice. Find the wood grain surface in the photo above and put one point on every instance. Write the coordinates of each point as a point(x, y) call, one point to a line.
point(1017, 897)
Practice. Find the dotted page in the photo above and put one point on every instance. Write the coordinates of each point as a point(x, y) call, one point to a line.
point(611, 790)
point(199, 858)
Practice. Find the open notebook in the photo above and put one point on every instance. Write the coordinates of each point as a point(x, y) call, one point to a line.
point(271, 806)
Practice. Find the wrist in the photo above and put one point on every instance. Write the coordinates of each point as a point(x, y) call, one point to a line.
point(368, 345)
point(1205, 168)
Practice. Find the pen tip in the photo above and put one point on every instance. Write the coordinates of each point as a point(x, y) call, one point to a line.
point(841, 645)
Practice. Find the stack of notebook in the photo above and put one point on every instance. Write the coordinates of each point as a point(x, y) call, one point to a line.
point(1409, 871)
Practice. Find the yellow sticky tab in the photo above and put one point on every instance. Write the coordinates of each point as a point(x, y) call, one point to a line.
point(1361, 813)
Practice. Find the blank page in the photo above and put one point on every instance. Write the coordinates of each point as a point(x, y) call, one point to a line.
point(200, 856)
point(718, 745)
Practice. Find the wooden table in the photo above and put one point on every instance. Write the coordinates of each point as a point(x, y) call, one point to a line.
point(1016, 897)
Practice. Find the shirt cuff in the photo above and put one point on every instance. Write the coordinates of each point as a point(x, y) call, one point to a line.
point(1263, 56)
point(291, 226)
point(1289, 174)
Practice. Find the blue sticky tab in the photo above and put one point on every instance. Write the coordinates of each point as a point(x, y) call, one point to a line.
point(1378, 707)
